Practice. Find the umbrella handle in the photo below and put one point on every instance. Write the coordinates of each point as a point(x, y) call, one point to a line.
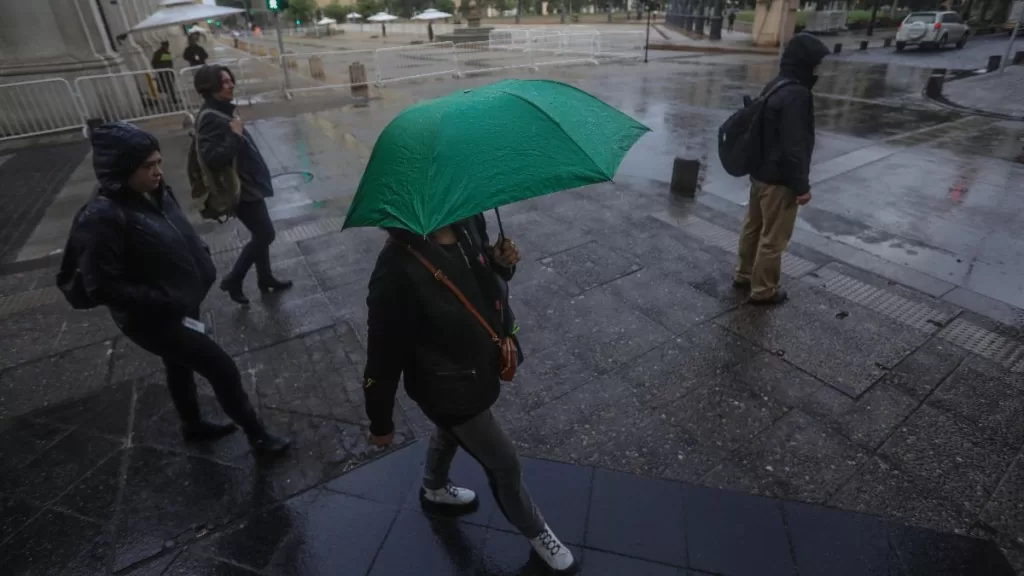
point(501, 229)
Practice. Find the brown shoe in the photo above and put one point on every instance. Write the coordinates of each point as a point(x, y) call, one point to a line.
point(779, 297)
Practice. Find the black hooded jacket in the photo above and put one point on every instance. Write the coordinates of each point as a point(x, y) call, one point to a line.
point(419, 331)
point(788, 131)
point(139, 257)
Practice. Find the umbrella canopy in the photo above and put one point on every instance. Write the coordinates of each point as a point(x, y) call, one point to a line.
point(381, 17)
point(431, 14)
point(354, 16)
point(174, 12)
point(443, 160)
point(325, 21)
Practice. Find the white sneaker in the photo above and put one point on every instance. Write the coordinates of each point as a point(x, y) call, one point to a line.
point(449, 495)
point(552, 551)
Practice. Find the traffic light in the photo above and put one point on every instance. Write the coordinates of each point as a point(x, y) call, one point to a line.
point(298, 22)
point(277, 5)
point(209, 20)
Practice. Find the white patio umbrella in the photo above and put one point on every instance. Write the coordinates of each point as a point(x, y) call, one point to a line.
point(325, 21)
point(382, 17)
point(354, 16)
point(174, 12)
point(431, 14)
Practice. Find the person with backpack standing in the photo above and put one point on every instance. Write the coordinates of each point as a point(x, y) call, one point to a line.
point(222, 140)
point(437, 305)
point(132, 249)
point(779, 163)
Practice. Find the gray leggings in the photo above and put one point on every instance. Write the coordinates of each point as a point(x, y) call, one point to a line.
point(484, 440)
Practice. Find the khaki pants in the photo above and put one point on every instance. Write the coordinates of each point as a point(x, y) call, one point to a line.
point(767, 228)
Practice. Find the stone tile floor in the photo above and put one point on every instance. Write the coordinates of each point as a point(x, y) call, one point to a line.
point(693, 433)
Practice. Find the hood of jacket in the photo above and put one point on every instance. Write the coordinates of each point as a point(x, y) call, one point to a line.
point(801, 56)
point(118, 150)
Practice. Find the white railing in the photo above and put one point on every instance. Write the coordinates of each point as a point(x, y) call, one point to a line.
point(625, 45)
point(131, 95)
point(416, 61)
point(38, 107)
point(509, 38)
point(562, 49)
point(326, 70)
point(257, 79)
point(481, 57)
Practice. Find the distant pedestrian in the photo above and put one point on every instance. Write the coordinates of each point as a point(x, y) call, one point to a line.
point(194, 54)
point(163, 65)
point(435, 340)
point(732, 19)
point(430, 32)
point(779, 182)
point(223, 140)
point(133, 250)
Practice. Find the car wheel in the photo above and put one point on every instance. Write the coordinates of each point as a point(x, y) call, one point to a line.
point(942, 42)
point(900, 46)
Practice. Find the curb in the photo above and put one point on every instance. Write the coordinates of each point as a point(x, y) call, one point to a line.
point(943, 100)
point(713, 49)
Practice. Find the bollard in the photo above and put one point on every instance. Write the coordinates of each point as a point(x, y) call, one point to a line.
point(888, 43)
point(838, 48)
point(933, 89)
point(993, 63)
point(684, 177)
point(863, 44)
point(357, 77)
point(1018, 57)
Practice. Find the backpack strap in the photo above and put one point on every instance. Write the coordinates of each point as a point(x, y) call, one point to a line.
point(778, 86)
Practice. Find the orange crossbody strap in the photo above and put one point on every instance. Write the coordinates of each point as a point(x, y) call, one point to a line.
point(439, 275)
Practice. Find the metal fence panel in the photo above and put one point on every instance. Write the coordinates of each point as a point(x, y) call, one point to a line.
point(325, 70)
point(614, 45)
point(258, 79)
point(480, 57)
point(509, 38)
point(416, 61)
point(562, 49)
point(38, 107)
point(131, 95)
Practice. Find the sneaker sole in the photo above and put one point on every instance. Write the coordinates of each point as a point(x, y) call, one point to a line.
point(439, 509)
point(538, 562)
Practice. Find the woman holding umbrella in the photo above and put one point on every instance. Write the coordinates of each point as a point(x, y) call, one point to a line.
point(439, 314)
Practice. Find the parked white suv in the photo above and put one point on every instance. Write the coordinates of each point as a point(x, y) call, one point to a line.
point(932, 30)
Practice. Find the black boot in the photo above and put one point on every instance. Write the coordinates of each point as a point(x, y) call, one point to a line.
point(273, 284)
point(266, 445)
point(204, 430)
point(234, 290)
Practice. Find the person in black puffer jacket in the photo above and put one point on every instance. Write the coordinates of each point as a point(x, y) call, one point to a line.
point(419, 330)
point(138, 255)
point(780, 184)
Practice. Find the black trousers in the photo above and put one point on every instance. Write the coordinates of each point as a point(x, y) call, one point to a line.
point(186, 352)
point(256, 219)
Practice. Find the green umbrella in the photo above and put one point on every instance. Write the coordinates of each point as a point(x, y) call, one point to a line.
point(447, 159)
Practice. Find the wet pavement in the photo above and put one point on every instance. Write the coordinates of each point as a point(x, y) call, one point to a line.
point(973, 56)
point(995, 93)
point(889, 386)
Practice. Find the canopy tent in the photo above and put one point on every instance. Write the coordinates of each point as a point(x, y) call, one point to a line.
point(382, 17)
point(431, 14)
point(174, 12)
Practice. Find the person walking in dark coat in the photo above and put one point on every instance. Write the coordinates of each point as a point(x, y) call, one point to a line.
point(194, 53)
point(780, 184)
point(223, 139)
point(419, 330)
point(137, 254)
point(731, 19)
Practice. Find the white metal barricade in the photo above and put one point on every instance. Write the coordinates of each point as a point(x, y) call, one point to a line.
point(325, 70)
point(416, 61)
point(131, 95)
point(481, 57)
point(509, 38)
point(258, 79)
point(620, 45)
point(38, 107)
point(562, 49)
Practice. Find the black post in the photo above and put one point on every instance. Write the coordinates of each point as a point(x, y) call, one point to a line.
point(871, 22)
point(716, 22)
point(647, 42)
point(519, 9)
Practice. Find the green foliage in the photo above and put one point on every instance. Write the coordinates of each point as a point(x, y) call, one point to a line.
point(302, 9)
point(367, 8)
point(336, 10)
point(445, 6)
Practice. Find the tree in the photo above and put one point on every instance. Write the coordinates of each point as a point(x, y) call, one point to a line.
point(367, 8)
point(336, 10)
point(445, 6)
point(301, 9)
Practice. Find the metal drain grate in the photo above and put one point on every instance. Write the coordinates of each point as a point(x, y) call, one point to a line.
point(26, 300)
point(727, 240)
point(913, 314)
point(985, 343)
point(296, 234)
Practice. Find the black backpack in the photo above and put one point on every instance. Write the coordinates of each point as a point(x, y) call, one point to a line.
point(739, 137)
